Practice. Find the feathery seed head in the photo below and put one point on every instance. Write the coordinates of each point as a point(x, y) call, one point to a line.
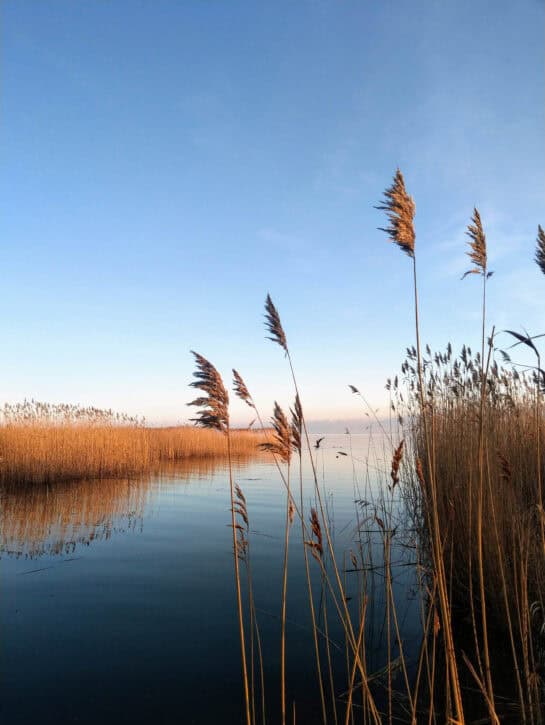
point(215, 404)
point(540, 249)
point(242, 529)
point(477, 245)
point(281, 445)
point(400, 210)
point(316, 529)
point(396, 462)
point(274, 326)
point(296, 424)
point(354, 559)
point(240, 505)
point(241, 390)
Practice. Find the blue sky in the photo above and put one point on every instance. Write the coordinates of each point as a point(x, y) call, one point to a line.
point(166, 164)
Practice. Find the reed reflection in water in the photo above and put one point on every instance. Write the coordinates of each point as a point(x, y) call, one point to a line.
point(53, 519)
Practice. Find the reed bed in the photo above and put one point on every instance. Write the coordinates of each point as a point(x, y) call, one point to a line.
point(465, 441)
point(41, 443)
point(510, 557)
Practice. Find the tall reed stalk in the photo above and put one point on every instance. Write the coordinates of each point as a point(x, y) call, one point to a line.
point(281, 445)
point(540, 388)
point(296, 436)
point(400, 210)
point(278, 336)
point(479, 256)
point(214, 414)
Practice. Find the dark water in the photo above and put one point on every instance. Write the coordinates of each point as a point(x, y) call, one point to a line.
point(117, 601)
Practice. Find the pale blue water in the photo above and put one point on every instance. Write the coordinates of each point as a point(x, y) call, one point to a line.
point(118, 604)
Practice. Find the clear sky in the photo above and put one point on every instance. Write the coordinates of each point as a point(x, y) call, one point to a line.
point(166, 164)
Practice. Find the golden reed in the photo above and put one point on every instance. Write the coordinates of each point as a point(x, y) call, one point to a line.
point(39, 451)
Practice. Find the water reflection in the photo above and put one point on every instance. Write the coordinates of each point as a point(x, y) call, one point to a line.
point(141, 620)
point(55, 519)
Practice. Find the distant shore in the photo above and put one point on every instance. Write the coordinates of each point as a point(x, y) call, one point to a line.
point(43, 452)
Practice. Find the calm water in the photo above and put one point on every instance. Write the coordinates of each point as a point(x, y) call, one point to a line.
point(117, 600)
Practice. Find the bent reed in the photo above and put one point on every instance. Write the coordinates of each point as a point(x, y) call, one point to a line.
point(45, 443)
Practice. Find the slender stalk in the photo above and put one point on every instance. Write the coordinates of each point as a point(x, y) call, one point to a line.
point(436, 544)
point(353, 672)
point(259, 650)
point(386, 557)
point(480, 504)
point(278, 336)
point(538, 453)
point(328, 649)
point(505, 598)
point(284, 595)
point(311, 598)
point(346, 618)
point(237, 585)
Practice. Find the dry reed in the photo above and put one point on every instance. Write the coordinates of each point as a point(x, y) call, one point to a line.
point(540, 248)
point(507, 560)
point(214, 414)
point(47, 447)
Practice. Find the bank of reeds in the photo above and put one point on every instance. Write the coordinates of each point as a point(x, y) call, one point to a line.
point(47, 443)
point(466, 452)
point(499, 441)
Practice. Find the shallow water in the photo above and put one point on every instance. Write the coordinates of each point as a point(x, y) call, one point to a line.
point(117, 597)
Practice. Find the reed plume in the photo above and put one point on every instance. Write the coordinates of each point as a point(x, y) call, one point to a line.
point(540, 248)
point(281, 445)
point(396, 462)
point(241, 508)
point(215, 405)
point(316, 543)
point(400, 209)
point(274, 326)
point(241, 391)
point(296, 424)
point(477, 245)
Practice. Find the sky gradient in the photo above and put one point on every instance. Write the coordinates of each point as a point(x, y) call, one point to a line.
point(167, 164)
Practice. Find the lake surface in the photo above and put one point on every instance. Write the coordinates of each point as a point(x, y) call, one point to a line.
point(117, 599)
